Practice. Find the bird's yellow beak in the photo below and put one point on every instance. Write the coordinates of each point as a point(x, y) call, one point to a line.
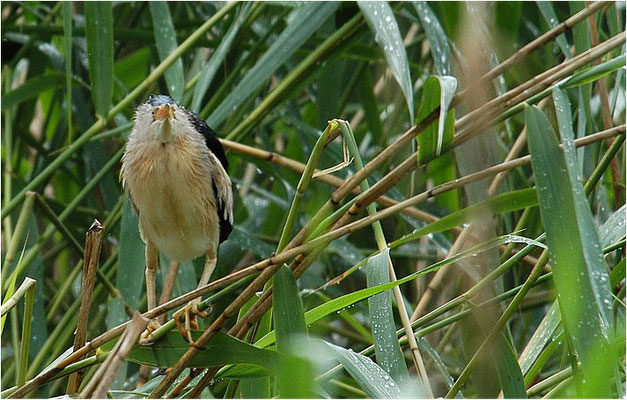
point(163, 112)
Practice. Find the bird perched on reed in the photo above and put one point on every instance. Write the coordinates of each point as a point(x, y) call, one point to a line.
point(175, 172)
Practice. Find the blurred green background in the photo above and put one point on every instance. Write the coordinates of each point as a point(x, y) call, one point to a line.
point(503, 314)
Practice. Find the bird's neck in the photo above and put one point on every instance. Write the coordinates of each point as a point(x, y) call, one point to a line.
point(163, 132)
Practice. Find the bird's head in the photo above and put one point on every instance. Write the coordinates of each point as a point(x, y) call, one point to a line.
point(160, 118)
point(162, 107)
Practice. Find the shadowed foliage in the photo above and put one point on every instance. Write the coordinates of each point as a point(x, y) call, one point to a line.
point(429, 199)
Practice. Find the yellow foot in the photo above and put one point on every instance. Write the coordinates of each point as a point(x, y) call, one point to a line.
point(185, 319)
point(144, 338)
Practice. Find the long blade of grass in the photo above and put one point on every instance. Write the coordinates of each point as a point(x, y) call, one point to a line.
point(289, 317)
point(593, 256)
point(304, 21)
point(222, 349)
point(510, 376)
point(438, 40)
point(592, 74)
point(99, 35)
point(388, 352)
point(295, 378)
point(580, 277)
point(165, 39)
point(382, 22)
point(540, 338)
point(438, 92)
point(370, 377)
point(613, 229)
point(350, 319)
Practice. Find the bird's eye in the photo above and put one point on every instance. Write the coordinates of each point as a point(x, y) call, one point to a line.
point(154, 113)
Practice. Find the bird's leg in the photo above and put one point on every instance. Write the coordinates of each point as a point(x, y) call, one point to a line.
point(166, 293)
point(190, 311)
point(168, 285)
point(152, 261)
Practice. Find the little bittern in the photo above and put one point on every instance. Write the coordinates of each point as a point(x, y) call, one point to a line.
point(175, 172)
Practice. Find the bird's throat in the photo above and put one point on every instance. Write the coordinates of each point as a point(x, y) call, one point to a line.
point(163, 131)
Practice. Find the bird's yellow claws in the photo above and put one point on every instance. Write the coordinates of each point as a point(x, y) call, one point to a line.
point(153, 325)
point(185, 319)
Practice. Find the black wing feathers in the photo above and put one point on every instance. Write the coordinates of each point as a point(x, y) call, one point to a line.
point(214, 145)
point(211, 139)
point(225, 225)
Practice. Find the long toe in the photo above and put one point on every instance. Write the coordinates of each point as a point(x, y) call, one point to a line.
point(144, 338)
point(185, 319)
point(194, 304)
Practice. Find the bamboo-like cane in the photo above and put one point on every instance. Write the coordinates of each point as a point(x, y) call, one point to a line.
point(93, 245)
point(19, 293)
point(332, 130)
point(29, 303)
point(104, 377)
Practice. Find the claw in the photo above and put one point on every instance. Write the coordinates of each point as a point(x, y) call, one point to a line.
point(185, 319)
point(153, 325)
